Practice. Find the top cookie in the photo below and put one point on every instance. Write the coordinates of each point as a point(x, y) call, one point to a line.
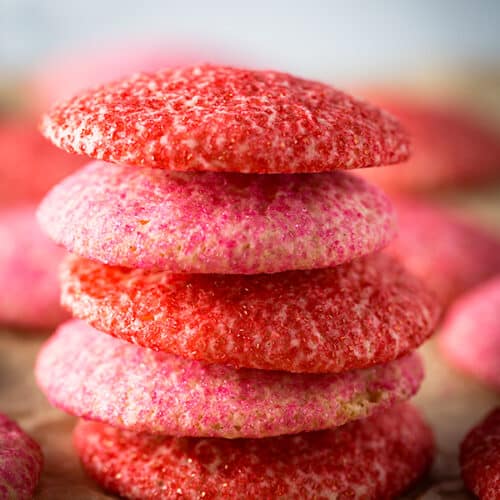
point(226, 119)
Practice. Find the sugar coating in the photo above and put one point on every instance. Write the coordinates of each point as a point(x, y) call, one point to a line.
point(470, 335)
point(449, 148)
point(29, 164)
point(21, 462)
point(378, 457)
point(29, 263)
point(480, 458)
point(95, 376)
point(226, 119)
point(362, 313)
point(449, 254)
point(205, 222)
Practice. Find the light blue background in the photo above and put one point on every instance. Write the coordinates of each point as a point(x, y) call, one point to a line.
point(341, 38)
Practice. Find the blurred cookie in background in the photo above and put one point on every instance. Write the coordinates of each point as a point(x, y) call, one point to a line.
point(451, 147)
point(29, 164)
point(29, 261)
point(475, 87)
point(470, 337)
point(449, 253)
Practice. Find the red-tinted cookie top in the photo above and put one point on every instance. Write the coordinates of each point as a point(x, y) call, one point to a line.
point(378, 457)
point(480, 458)
point(226, 119)
point(355, 315)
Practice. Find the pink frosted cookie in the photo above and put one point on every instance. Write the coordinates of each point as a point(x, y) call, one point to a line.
point(365, 312)
point(449, 148)
point(95, 376)
point(226, 119)
point(68, 74)
point(470, 335)
point(448, 254)
point(480, 458)
point(378, 457)
point(29, 264)
point(216, 223)
point(20, 462)
point(29, 164)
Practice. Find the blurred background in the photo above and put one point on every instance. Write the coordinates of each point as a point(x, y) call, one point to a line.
point(330, 39)
point(435, 64)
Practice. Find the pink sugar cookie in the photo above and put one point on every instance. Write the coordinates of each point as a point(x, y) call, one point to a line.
point(470, 336)
point(95, 376)
point(480, 458)
point(365, 312)
point(209, 222)
point(228, 120)
point(378, 457)
point(449, 148)
point(21, 462)
point(29, 164)
point(449, 255)
point(29, 264)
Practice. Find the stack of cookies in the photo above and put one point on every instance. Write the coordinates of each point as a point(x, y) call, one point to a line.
point(220, 303)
